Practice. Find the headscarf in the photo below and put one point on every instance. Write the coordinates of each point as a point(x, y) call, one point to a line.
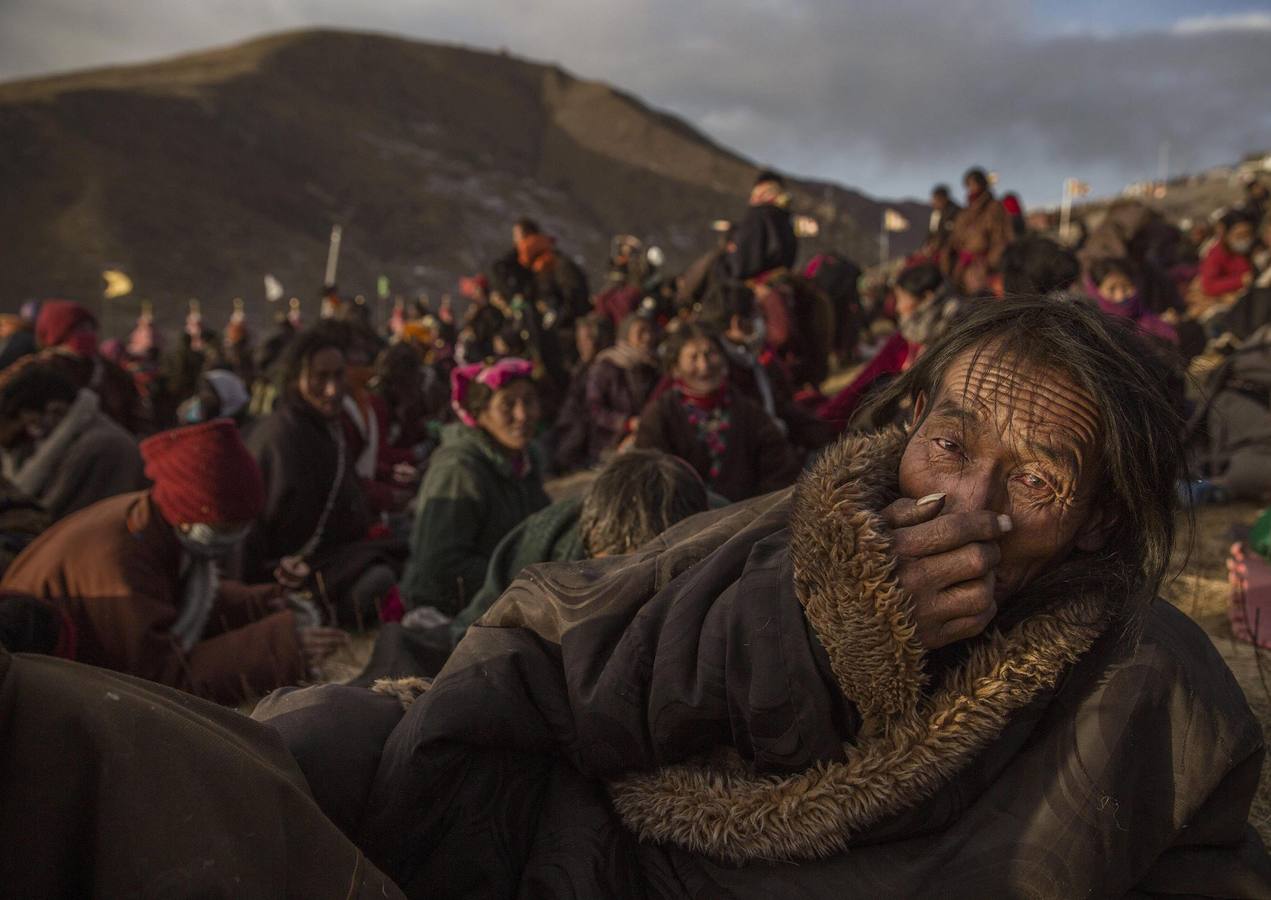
point(493, 376)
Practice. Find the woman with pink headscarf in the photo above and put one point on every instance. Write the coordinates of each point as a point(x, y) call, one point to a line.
point(481, 483)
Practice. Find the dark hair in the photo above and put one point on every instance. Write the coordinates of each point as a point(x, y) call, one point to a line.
point(636, 497)
point(526, 225)
point(28, 625)
point(1140, 433)
point(601, 326)
point(1034, 264)
point(33, 389)
point(1237, 217)
point(325, 335)
point(769, 175)
point(1102, 268)
point(919, 279)
point(678, 339)
point(940, 190)
point(977, 175)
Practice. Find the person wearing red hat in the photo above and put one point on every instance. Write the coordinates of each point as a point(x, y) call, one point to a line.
point(67, 334)
point(149, 600)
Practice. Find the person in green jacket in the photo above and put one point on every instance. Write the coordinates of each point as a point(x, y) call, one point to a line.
point(633, 499)
point(481, 483)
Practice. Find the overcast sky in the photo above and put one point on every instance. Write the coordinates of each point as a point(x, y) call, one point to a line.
point(888, 96)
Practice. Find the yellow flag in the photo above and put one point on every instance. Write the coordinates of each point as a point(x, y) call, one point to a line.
point(117, 284)
point(894, 221)
point(1077, 187)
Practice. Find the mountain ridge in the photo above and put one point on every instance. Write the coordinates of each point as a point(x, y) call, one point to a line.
point(200, 173)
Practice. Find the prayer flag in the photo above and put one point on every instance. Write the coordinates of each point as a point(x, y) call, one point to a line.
point(117, 284)
point(894, 221)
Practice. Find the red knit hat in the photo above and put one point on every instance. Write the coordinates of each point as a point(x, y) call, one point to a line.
point(57, 319)
point(203, 473)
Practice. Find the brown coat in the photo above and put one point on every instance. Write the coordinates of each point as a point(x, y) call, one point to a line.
point(114, 787)
point(983, 230)
point(742, 710)
point(115, 569)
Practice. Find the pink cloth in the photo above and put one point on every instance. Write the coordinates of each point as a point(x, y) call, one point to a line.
point(493, 377)
point(1132, 309)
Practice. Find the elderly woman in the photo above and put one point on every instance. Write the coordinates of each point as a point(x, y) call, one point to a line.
point(730, 441)
point(481, 482)
point(940, 659)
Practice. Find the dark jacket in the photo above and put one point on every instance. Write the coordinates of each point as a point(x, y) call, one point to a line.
point(124, 596)
point(156, 794)
point(742, 710)
point(298, 457)
point(765, 240)
point(617, 390)
point(550, 535)
point(572, 431)
point(1231, 429)
point(758, 458)
point(470, 498)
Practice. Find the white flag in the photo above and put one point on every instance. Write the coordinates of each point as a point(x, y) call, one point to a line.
point(1077, 187)
point(894, 221)
point(806, 226)
point(273, 289)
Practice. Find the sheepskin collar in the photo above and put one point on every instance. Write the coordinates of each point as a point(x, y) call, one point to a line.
point(916, 737)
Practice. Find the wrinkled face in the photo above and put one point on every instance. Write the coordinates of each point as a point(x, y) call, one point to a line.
point(1018, 441)
point(322, 382)
point(700, 366)
point(640, 336)
point(511, 415)
point(1117, 287)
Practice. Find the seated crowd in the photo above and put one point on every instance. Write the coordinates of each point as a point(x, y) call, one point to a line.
point(749, 581)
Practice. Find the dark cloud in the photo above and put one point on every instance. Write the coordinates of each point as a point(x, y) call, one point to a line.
point(885, 96)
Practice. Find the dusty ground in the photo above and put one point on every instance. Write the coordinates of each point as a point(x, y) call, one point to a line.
point(1200, 590)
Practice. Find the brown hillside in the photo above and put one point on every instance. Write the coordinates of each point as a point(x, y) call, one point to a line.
point(198, 175)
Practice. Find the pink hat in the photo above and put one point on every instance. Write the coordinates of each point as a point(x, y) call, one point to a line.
point(493, 376)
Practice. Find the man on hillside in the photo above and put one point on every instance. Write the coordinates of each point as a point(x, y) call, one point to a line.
point(764, 239)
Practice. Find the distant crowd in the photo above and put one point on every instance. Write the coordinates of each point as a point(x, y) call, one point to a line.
point(328, 476)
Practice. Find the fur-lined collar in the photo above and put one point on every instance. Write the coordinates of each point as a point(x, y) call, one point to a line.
point(912, 741)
